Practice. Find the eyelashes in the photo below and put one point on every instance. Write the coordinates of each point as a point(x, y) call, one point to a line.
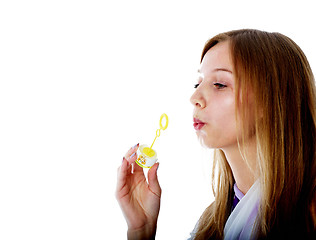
point(219, 85)
point(216, 85)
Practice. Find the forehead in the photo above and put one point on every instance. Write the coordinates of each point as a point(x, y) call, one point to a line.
point(218, 57)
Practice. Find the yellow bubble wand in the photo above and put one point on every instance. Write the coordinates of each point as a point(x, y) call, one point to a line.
point(148, 151)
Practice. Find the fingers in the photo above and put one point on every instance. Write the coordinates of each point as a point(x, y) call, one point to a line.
point(153, 180)
point(131, 151)
point(122, 175)
point(130, 158)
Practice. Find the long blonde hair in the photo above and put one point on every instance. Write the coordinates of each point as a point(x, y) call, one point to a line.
point(276, 71)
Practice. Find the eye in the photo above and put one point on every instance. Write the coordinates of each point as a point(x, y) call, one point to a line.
point(219, 85)
point(196, 85)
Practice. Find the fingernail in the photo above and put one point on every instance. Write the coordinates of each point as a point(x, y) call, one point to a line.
point(136, 145)
point(132, 155)
point(123, 159)
point(132, 168)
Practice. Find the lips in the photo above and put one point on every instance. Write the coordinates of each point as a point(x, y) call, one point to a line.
point(198, 124)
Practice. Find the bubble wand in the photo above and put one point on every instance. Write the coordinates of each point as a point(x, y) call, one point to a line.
point(148, 156)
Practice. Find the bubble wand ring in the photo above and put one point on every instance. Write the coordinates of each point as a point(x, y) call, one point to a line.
point(161, 127)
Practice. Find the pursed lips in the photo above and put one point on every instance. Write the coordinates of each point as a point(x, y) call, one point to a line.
point(197, 124)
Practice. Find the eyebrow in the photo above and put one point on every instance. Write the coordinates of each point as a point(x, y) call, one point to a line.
point(222, 69)
point(218, 69)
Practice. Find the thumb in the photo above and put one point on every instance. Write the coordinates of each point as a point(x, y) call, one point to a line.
point(153, 180)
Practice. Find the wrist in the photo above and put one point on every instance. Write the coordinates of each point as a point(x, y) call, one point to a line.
point(145, 233)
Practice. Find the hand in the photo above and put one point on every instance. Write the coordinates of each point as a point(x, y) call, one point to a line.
point(139, 201)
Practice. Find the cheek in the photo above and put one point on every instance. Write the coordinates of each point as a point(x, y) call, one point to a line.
point(222, 112)
point(221, 127)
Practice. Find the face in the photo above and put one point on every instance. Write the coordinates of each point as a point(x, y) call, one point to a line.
point(214, 99)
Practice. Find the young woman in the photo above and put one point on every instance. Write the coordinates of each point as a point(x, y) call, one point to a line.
point(255, 104)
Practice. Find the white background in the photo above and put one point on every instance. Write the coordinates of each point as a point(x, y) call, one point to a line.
point(83, 81)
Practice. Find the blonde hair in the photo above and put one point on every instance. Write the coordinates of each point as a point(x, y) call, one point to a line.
point(275, 70)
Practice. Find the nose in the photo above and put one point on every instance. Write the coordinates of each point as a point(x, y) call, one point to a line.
point(197, 100)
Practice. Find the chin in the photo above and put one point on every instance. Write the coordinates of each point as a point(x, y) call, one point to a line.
point(208, 143)
point(214, 143)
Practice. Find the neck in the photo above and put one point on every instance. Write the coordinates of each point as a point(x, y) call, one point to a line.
point(244, 174)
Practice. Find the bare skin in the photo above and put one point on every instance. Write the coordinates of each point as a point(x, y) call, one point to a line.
point(139, 200)
point(214, 104)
